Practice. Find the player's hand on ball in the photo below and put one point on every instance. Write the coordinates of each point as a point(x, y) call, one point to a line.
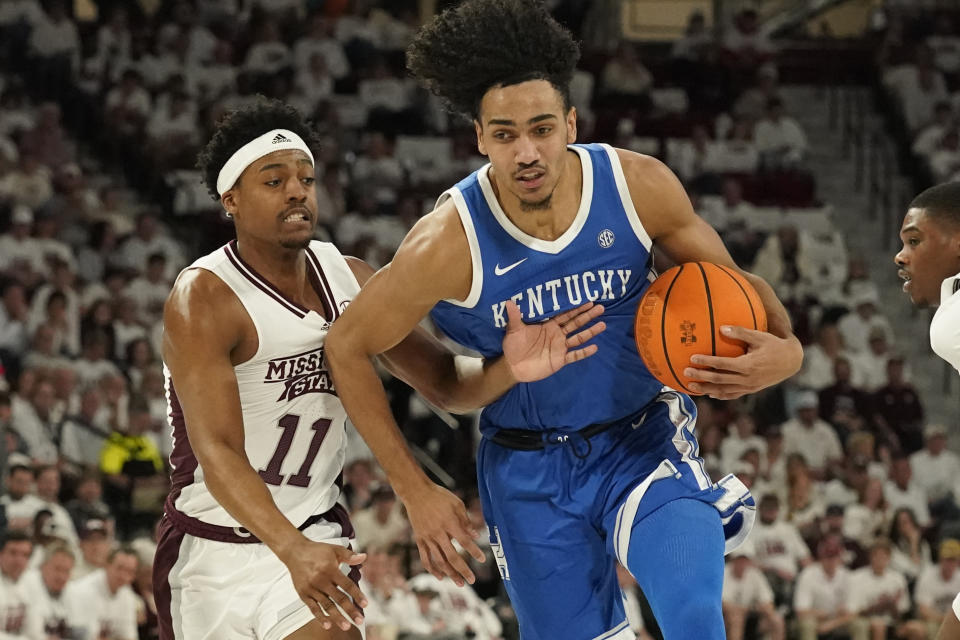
point(322, 585)
point(535, 351)
point(768, 360)
point(438, 517)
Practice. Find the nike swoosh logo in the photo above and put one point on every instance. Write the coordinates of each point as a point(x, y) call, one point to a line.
point(498, 271)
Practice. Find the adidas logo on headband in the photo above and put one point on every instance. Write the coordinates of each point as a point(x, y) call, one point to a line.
point(257, 148)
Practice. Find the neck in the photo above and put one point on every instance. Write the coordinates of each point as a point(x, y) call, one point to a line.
point(551, 222)
point(284, 268)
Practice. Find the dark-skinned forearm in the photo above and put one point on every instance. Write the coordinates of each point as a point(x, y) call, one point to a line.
point(362, 394)
point(239, 489)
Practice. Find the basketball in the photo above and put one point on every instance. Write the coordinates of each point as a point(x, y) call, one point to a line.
point(680, 315)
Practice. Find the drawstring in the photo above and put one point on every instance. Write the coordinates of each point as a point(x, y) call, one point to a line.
point(555, 437)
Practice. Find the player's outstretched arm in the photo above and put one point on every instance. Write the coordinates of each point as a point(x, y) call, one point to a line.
point(667, 215)
point(461, 383)
point(204, 323)
point(433, 263)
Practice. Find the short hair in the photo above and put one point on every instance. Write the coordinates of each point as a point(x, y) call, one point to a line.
point(466, 50)
point(14, 535)
point(941, 203)
point(123, 550)
point(57, 547)
point(239, 127)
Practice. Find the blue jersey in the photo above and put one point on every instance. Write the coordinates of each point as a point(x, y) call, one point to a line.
point(604, 257)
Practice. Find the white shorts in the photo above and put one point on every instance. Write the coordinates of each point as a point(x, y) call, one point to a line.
point(228, 590)
point(956, 606)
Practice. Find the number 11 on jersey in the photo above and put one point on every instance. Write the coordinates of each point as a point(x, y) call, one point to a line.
point(271, 475)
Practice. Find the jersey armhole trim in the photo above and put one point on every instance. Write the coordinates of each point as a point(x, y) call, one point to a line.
point(253, 321)
point(476, 284)
point(625, 198)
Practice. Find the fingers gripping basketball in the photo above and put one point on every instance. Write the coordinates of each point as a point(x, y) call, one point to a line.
point(680, 315)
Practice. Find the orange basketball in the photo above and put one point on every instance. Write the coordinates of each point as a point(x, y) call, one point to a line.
point(681, 313)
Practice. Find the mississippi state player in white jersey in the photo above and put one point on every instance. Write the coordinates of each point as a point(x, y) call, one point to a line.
point(929, 264)
point(253, 543)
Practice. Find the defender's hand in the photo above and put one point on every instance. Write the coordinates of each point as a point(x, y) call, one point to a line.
point(535, 351)
point(438, 517)
point(768, 360)
point(315, 569)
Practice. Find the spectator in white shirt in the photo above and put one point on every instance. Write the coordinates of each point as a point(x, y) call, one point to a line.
point(910, 553)
point(879, 598)
point(93, 364)
point(128, 104)
point(48, 490)
point(935, 469)
point(737, 153)
point(747, 593)
point(625, 77)
point(56, 612)
point(821, 594)
point(819, 358)
point(855, 327)
point(945, 160)
point(14, 314)
point(150, 238)
point(381, 524)
point(36, 420)
point(938, 585)
point(866, 519)
point(55, 36)
point(919, 86)
point(269, 54)
point(812, 437)
point(319, 39)
point(96, 541)
point(779, 138)
point(378, 171)
point(16, 612)
point(742, 438)
point(82, 435)
point(902, 491)
point(19, 502)
point(29, 184)
point(928, 140)
point(778, 549)
point(150, 290)
point(110, 602)
point(945, 45)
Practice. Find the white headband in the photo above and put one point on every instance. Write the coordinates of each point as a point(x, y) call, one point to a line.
point(276, 140)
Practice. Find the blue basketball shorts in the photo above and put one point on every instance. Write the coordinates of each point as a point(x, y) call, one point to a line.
point(561, 516)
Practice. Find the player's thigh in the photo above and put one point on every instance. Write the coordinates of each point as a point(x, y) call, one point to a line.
point(950, 629)
point(314, 630)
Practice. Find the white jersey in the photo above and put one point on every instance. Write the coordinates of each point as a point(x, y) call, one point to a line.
point(293, 420)
point(59, 616)
point(945, 327)
point(14, 610)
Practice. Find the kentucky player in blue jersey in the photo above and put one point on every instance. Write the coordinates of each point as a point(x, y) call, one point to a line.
point(598, 462)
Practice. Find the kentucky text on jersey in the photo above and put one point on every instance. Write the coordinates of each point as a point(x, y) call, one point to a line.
point(300, 374)
point(603, 257)
point(569, 291)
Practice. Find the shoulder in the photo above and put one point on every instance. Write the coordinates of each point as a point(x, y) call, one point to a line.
point(437, 241)
point(201, 307)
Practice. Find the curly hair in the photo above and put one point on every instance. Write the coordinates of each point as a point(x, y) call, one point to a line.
point(480, 44)
point(239, 127)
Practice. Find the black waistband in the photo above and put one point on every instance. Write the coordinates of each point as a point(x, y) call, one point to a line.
point(530, 440)
point(239, 535)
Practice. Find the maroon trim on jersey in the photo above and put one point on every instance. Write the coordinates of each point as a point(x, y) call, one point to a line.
point(330, 302)
point(239, 535)
point(262, 283)
point(169, 539)
point(182, 459)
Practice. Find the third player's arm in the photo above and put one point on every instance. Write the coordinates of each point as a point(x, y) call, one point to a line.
point(432, 264)
point(669, 218)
